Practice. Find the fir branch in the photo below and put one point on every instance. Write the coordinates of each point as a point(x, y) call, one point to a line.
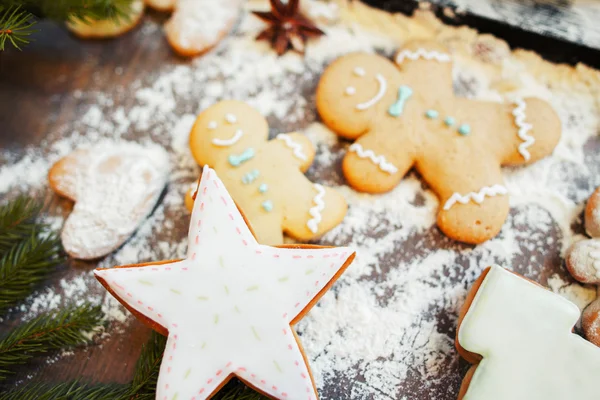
point(25, 265)
point(68, 10)
point(67, 391)
point(17, 221)
point(236, 390)
point(15, 26)
point(56, 330)
point(144, 381)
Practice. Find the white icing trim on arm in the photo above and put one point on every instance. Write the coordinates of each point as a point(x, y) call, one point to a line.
point(424, 54)
point(524, 128)
point(380, 161)
point(315, 212)
point(229, 142)
point(477, 197)
point(293, 145)
point(382, 89)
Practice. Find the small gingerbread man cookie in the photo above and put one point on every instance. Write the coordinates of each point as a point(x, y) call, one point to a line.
point(265, 178)
point(114, 188)
point(519, 337)
point(108, 28)
point(406, 115)
point(583, 262)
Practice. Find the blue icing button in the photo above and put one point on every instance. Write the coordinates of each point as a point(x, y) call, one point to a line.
point(267, 205)
point(237, 160)
point(449, 121)
point(404, 93)
point(251, 176)
point(464, 129)
point(263, 188)
point(432, 114)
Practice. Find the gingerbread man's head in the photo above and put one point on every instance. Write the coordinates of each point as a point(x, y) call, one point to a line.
point(228, 127)
point(362, 82)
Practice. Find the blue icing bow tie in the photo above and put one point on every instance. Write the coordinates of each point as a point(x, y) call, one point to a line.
point(404, 93)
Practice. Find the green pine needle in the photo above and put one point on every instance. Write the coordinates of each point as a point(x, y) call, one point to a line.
point(15, 26)
point(67, 391)
point(147, 368)
point(25, 265)
point(56, 330)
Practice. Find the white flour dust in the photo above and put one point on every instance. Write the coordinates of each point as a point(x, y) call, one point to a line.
point(386, 329)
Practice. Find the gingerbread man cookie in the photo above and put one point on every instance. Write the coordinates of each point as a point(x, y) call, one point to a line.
point(406, 115)
point(109, 28)
point(519, 337)
point(265, 178)
point(228, 308)
point(114, 188)
point(583, 262)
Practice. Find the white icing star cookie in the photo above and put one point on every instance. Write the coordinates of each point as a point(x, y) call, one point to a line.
point(228, 307)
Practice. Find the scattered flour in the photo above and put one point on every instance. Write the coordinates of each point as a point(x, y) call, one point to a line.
point(386, 329)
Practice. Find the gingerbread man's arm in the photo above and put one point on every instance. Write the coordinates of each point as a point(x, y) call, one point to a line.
point(310, 209)
point(377, 161)
point(521, 132)
point(296, 147)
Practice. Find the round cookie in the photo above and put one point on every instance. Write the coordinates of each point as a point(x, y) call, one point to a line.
point(583, 261)
point(108, 28)
point(114, 188)
point(196, 26)
point(592, 215)
point(405, 114)
point(265, 177)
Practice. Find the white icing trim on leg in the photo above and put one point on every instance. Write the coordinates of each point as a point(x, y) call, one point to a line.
point(477, 197)
point(524, 128)
point(422, 54)
point(382, 89)
point(380, 161)
point(315, 212)
point(296, 147)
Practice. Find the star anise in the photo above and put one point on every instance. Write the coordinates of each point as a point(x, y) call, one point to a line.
point(288, 27)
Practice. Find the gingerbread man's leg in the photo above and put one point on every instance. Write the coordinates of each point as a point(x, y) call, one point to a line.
point(377, 162)
point(473, 199)
point(311, 209)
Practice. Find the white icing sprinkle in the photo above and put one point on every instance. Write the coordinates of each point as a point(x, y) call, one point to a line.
point(524, 128)
point(212, 125)
point(382, 89)
point(315, 212)
point(350, 90)
point(232, 119)
point(229, 142)
point(293, 145)
point(422, 54)
point(380, 160)
point(477, 197)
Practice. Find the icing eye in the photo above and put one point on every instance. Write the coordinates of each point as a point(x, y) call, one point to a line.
point(350, 90)
point(358, 71)
point(212, 125)
point(232, 119)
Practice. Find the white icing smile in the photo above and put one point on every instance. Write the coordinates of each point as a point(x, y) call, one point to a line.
point(380, 93)
point(229, 142)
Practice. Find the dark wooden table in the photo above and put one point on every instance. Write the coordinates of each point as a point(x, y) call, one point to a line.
point(37, 97)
